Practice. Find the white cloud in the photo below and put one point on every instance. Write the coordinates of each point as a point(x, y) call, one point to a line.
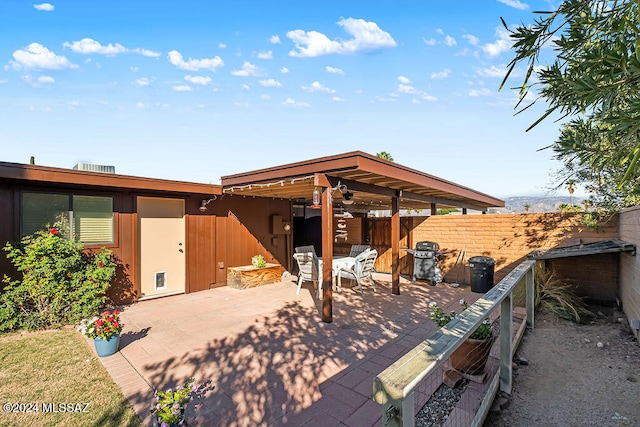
point(480, 92)
point(274, 39)
point(37, 56)
point(246, 87)
point(472, 40)
point(45, 7)
point(289, 102)
point(337, 99)
point(502, 44)
point(140, 104)
point(89, 46)
point(516, 4)
point(222, 46)
point(182, 88)
point(318, 87)
point(134, 69)
point(210, 64)
point(441, 74)
point(72, 105)
point(284, 70)
point(2, 81)
point(265, 55)
point(46, 79)
point(493, 71)
point(43, 109)
point(429, 42)
point(440, 31)
point(248, 70)
point(413, 91)
point(270, 83)
point(382, 99)
point(450, 41)
point(367, 36)
point(334, 70)
point(265, 97)
point(142, 82)
point(146, 52)
point(198, 80)
point(403, 79)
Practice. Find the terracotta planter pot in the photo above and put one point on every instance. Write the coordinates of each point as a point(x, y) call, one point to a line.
point(471, 357)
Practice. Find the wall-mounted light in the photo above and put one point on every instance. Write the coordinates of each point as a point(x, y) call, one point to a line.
point(205, 202)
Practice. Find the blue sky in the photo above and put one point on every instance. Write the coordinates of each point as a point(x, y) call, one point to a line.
point(196, 90)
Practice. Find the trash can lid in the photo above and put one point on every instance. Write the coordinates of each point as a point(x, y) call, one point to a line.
point(482, 260)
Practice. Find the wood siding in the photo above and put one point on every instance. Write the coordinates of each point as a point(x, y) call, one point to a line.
point(201, 252)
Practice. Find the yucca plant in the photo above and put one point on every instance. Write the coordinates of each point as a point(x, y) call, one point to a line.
point(557, 296)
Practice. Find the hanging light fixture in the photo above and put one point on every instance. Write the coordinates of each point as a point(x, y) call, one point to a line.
point(347, 198)
point(316, 197)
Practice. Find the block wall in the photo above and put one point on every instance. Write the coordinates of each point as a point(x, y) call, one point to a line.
point(630, 266)
point(508, 238)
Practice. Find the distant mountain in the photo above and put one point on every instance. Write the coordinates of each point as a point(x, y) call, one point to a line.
point(537, 204)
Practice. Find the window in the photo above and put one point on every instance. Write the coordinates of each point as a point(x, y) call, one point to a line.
point(90, 217)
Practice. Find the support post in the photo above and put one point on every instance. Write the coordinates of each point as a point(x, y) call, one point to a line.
point(327, 255)
point(395, 245)
point(530, 296)
point(400, 413)
point(434, 209)
point(505, 344)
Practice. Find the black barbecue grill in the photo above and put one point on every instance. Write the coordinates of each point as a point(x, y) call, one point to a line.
point(425, 257)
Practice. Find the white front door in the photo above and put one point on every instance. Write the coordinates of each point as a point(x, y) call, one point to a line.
point(161, 224)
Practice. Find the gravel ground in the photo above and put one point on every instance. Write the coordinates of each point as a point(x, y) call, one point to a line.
point(575, 375)
point(436, 411)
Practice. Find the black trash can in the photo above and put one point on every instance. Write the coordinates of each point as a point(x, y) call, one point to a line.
point(481, 273)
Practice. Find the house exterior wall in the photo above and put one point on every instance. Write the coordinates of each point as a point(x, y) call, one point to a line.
point(508, 238)
point(630, 266)
point(228, 234)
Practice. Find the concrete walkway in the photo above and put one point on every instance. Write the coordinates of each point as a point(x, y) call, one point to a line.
point(269, 356)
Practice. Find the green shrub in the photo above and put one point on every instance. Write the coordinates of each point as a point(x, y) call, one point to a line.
point(61, 283)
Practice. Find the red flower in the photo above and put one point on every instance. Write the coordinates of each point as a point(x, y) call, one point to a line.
point(99, 322)
point(116, 312)
point(100, 264)
point(110, 319)
point(115, 325)
point(53, 231)
point(91, 280)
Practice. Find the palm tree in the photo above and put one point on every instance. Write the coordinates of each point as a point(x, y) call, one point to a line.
point(571, 186)
point(527, 207)
point(384, 155)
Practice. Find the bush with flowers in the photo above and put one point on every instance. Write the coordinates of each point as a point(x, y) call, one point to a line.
point(441, 318)
point(61, 282)
point(169, 405)
point(105, 326)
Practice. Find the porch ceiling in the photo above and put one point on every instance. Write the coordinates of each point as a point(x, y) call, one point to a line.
point(373, 182)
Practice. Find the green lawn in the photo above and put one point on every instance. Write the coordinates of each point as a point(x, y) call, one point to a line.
point(46, 369)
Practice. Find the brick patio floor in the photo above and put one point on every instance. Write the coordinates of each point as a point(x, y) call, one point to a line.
point(269, 356)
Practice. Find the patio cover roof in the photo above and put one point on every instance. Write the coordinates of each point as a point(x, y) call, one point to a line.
point(372, 180)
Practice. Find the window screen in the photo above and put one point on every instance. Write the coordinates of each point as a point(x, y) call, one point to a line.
point(90, 217)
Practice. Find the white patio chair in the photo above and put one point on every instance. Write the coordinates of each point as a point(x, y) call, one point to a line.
point(307, 269)
point(361, 270)
point(358, 249)
point(303, 249)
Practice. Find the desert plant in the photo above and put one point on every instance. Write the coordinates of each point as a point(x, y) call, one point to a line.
point(557, 296)
point(258, 261)
point(61, 283)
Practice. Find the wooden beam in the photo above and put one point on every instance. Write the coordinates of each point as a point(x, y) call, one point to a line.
point(395, 245)
point(327, 255)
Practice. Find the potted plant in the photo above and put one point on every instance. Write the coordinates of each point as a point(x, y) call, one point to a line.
point(169, 405)
point(258, 261)
point(471, 357)
point(105, 331)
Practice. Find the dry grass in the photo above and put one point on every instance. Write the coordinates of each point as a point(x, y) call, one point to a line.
point(553, 295)
point(558, 297)
point(55, 367)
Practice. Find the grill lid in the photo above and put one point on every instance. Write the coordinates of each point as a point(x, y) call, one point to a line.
point(427, 246)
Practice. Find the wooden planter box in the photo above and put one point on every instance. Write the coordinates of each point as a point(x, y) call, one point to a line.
point(248, 276)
